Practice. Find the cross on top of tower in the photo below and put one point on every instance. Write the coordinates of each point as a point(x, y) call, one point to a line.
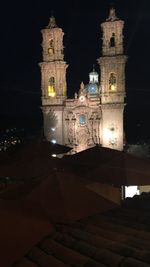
point(52, 22)
point(112, 14)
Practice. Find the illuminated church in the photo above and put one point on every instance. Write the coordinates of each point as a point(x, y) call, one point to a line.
point(95, 114)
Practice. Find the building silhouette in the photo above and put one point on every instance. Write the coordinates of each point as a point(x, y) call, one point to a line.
point(95, 114)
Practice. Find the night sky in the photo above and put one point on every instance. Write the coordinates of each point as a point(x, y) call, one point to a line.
point(21, 51)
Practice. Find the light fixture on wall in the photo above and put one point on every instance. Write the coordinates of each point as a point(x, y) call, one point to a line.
point(112, 137)
point(54, 155)
point(53, 129)
point(53, 141)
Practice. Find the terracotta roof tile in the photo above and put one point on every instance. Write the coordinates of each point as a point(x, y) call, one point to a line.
point(93, 239)
point(60, 222)
point(80, 235)
point(93, 264)
point(142, 255)
point(25, 263)
point(109, 258)
point(63, 253)
point(123, 250)
point(117, 238)
point(105, 233)
point(43, 259)
point(129, 262)
point(137, 243)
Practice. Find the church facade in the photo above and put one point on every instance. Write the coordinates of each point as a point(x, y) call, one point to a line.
point(95, 114)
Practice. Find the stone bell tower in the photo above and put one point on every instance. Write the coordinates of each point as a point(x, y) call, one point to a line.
point(112, 65)
point(53, 81)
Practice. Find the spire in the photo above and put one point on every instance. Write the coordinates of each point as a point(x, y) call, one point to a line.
point(52, 22)
point(93, 67)
point(112, 14)
point(81, 86)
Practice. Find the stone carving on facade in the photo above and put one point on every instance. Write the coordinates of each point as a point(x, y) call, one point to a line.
point(82, 137)
point(75, 95)
point(52, 23)
point(70, 133)
point(112, 15)
point(94, 122)
point(82, 89)
point(70, 126)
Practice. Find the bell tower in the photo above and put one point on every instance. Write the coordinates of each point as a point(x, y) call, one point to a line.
point(112, 65)
point(53, 81)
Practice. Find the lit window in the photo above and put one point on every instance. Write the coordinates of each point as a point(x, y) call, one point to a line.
point(112, 40)
point(51, 87)
point(131, 191)
point(50, 51)
point(82, 119)
point(112, 82)
point(52, 80)
point(51, 47)
point(112, 87)
point(51, 91)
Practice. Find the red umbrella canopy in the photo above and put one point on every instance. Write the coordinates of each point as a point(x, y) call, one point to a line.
point(31, 160)
point(31, 149)
point(125, 169)
point(46, 148)
point(109, 166)
point(88, 159)
point(66, 199)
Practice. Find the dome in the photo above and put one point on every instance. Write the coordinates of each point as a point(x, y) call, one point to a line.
point(92, 88)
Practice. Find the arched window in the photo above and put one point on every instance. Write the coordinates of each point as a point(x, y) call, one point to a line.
point(51, 43)
point(82, 119)
point(112, 40)
point(52, 80)
point(112, 82)
point(51, 87)
point(51, 47)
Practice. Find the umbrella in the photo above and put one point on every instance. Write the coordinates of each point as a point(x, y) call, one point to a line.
point(32, 160)
point(66, 199)
point(45, 148)
point(57, 198)
point(22, 225)
point(84, 162)
point(32, 148)
point(109, 166)
point(125, 170)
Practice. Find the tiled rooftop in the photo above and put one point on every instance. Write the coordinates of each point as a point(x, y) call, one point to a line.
point(56, 215)
point(116, 238)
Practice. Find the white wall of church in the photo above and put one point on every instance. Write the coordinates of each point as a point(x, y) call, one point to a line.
point(53, 126)
point(112, 128)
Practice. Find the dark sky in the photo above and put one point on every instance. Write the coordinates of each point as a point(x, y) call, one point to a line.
point(20, 25)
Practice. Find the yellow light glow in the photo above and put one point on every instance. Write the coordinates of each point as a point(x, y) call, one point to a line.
point(51, 91)
point(51, 51)
point(113, 87)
